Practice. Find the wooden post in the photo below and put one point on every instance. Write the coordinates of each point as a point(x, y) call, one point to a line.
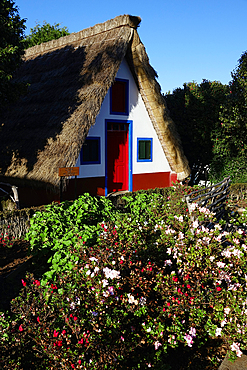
point(61, 189)
point(75, 188)
point(67, 172)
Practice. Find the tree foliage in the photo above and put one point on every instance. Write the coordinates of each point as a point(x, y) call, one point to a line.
point(195, 110)
point(44, 33)
point(11, 50)
point(230, 141)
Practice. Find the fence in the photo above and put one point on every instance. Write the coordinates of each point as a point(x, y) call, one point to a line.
point(212, 197)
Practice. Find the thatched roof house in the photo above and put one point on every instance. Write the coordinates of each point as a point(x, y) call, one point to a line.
point(68, 80)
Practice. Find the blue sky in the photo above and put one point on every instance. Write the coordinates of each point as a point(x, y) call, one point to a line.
point(186, 40)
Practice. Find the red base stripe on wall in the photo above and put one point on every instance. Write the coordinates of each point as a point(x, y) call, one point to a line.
point(91, 185)
point(174, 178)
point(94, 186)
point(151, 180)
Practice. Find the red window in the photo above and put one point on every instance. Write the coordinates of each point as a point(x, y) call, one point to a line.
point(120, 97)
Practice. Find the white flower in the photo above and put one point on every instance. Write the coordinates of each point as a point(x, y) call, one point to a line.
point(226, 253)
point(93, 259)
point(236, 347)
point(220, 264)
point(168, 262)
point(112, 274)
point(227, 310)
point(236, 253)
point(88, 272)
point(217, 226)
point(195, 224)
point(105, 283)
point(223, 323)
point(244, 247)
point(192, 332)
point(132, 299)
point(156, 345)
point(189, 340)
point(180, 235)
point(218, 332)
point(193, 206)
point(142, 301)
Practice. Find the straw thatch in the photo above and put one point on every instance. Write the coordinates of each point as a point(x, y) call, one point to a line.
point(68, 79)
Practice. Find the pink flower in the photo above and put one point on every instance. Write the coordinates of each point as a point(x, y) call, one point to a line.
point(38, 319)
point(189, 340)
point(23, 282)
point(55, 333)
point(218, 288)
point(21, 328)
point(192, 332)
point(75, 318)
point(156, 345)
point(236, 347)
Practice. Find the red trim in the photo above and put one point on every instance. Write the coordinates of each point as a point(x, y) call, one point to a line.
point(174, 178)
point(94, 186)
point(151, 180)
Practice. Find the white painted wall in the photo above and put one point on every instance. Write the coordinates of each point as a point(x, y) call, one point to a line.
point(142, 127)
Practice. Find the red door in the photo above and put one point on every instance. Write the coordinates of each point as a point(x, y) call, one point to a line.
point(117, 157)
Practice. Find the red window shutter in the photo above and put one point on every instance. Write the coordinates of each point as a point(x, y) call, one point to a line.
point(118, 97)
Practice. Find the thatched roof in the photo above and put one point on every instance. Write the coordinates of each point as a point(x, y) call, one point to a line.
point(69, 79)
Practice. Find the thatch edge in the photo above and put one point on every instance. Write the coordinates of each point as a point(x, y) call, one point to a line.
point(165, 128)
point(122, 20)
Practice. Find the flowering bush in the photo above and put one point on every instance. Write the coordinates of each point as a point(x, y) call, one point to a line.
point(150, 281)
point(6, 239)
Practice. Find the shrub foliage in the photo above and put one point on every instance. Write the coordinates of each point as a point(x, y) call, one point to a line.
point(132, 285)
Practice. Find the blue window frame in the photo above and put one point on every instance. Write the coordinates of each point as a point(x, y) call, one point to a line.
point(144, 149)
point(90, 152)
point(119, 97)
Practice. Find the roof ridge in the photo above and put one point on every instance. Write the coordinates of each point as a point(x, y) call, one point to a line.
point(119, 21)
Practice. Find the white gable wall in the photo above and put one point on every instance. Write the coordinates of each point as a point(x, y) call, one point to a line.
point(142, 128)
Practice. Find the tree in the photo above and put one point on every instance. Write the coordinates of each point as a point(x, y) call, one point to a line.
point(44, 33)
point(195, 110)
point(11, 50)
point(230, 140)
